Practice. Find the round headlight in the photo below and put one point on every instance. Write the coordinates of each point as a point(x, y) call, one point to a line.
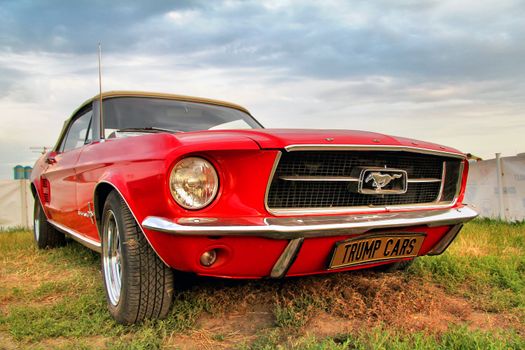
point(193, 183)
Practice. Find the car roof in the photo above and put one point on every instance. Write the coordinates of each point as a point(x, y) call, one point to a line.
point(111, 94)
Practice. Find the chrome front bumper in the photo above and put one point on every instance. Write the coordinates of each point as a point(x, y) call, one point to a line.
point(306, 227)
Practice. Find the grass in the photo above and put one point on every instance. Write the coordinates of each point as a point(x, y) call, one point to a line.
point(380, 338)
point(471, 297)
point(486, 264)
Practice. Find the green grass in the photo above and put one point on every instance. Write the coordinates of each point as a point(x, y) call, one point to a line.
point(54, 299)
point(382, 339)
point(67, 299)
point(486, 263)
point(453, 338)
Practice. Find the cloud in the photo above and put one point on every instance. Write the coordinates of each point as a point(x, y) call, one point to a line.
point(447, 71)
point(66, 26)
point(334, 39)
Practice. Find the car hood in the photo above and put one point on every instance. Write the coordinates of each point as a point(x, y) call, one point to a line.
point(281, 138)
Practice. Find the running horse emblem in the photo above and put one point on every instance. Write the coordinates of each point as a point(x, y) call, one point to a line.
point(381, 180)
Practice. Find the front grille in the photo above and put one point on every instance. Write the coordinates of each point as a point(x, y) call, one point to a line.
point(329, 179)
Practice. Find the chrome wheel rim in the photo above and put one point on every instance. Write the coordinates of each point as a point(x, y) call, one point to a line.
point(111, 258)
point(36, 224)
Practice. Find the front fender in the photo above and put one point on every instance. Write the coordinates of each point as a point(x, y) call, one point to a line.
point(116, 183)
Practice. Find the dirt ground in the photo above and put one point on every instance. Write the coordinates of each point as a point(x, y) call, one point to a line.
point(363, 301)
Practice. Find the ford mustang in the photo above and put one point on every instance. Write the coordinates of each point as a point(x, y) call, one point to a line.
point(157, 182)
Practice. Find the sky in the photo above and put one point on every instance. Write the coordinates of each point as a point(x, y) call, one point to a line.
point(449, 72)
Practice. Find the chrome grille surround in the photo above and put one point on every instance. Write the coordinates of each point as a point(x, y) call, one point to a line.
point(426, 186)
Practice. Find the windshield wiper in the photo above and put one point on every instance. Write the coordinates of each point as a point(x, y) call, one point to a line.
point(149, 129)
point(164, 129)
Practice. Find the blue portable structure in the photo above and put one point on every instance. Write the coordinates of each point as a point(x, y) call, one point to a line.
point(27, 172)
point(18, 172)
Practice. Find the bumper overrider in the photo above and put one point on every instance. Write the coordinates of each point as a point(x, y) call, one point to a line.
point(296, 229)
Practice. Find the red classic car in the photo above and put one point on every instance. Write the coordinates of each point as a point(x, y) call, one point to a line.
point(157, 182)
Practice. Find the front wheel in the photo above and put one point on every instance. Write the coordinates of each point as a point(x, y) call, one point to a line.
point(138, 284)
point(45, 235)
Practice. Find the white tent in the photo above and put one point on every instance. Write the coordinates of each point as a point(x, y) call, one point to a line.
point(497, 187)
point(16, 204)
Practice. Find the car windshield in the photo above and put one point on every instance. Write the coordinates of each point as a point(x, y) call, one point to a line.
point(133, 114)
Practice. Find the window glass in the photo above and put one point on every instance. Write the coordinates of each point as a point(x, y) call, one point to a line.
point(78, 132)
point(144, 112)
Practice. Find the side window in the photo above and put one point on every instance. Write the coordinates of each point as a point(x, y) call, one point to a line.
point(79, 132)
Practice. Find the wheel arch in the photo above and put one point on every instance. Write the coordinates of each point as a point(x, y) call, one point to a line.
point(100, 193)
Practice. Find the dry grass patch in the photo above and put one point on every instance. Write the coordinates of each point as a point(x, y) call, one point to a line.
point(6, 342)
point(362, 300)
point(29, 276)
point(327, 306)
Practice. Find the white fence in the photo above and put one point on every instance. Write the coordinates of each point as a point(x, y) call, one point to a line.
point(16, 204)
point(495, 194)
point(497, 188)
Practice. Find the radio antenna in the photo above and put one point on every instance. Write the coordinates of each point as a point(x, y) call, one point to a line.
point(101, 121)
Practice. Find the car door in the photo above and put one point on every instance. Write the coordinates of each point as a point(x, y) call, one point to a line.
point(61, 174)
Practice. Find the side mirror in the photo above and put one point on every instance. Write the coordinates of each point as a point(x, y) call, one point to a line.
point(51, 157)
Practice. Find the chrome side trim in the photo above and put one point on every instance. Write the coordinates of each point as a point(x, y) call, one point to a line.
point(85, 241)
point(325, 147)
point(447, 239)
point(313, 226)
point(89, 214)
point(287, 258)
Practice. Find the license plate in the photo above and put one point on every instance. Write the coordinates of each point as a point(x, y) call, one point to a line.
point(375, 248)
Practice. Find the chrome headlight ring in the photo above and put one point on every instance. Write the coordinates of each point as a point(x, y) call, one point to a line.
point(193, 183)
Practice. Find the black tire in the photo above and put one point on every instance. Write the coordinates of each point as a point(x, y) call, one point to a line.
point(146, 283)
point(393, 267)
point(45, 235)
